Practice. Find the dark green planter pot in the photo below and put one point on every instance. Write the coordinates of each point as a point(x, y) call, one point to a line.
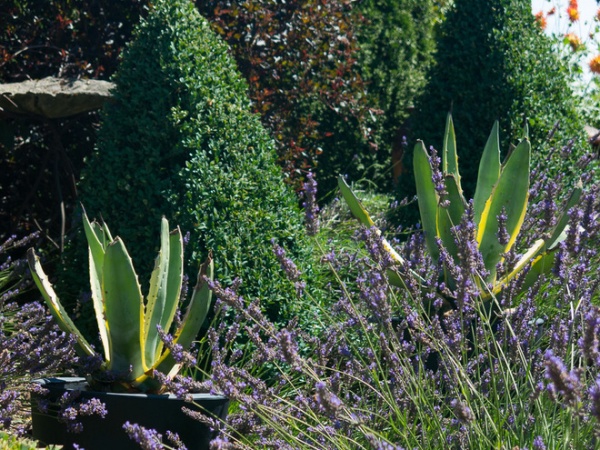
point(160, 412)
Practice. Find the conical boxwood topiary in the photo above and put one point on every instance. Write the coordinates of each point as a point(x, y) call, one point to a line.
point(179, 140)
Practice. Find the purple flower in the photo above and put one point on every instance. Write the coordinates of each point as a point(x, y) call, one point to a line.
point(287, 264)
point(562, 382)
point(538, 443)
point(311, 207)
point(147, 439)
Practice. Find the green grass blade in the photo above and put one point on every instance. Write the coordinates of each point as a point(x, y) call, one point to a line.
point(511, 194)
point(489, 172)
point(124, 310)
point(427, 198)
point(56, 309)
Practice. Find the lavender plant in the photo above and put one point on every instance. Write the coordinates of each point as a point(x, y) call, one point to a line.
point(31, 345)
point(387, 374)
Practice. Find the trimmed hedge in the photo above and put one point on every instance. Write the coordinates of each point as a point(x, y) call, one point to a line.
point(180, 141)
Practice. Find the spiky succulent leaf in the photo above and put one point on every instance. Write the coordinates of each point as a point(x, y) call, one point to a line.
point(447, 218)
point(427, 197)
point(489, 172)
point(450, 216)
point(560, 230)
point(361, 214)
point(58, 312)
point(173, 288)
point(510, 194)
point(124, 310)
point(449, 153)
point(157, 297)
point(97, 239)
point(354, 204)
point(194, 316)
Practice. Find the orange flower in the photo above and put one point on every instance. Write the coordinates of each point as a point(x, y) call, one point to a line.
point(598, 15)
point(573, 40)
point(573, 11)
point(541, 20)
point(595, 65)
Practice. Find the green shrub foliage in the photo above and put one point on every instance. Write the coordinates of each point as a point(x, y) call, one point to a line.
point(179, 140)
point(396, 44)
point(492, 62)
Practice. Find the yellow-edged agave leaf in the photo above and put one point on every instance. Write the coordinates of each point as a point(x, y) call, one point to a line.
point(96, 238)
point(527, 259)
point(58, 312)
point(489, 172)
point(156, 301)
point(510, 194)
point(194, 316)
point(354, 203)
point(124, 310)
point(427, 198)
point(449, 153)
point(540, 266)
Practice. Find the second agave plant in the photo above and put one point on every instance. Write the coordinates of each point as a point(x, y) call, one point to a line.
point(502, 191)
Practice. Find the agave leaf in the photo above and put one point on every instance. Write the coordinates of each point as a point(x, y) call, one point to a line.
point(124, 310)
point(96, 238)
point(541, 265)
point(560, 230)
point(354, 203)
point(449, 154)
point(449, 217)
point(427, 197)
point(510, 194)
point(194, 316)
point(531, 255)
point(489, 172)
point(60, 315)
point(361, 214)
point(157, 297)
point(174, 281)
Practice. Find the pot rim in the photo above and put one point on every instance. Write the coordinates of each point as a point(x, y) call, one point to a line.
point(53, 381)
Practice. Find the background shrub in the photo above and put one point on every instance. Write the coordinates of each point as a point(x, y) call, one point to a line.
point(493, 62)
point(299, 58)
point(396, 42)
point(42, 158)
point(179, 140)
point(333, 80)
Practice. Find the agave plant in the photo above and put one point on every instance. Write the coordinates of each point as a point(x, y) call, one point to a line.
point(128, 324)
point(501, 189)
